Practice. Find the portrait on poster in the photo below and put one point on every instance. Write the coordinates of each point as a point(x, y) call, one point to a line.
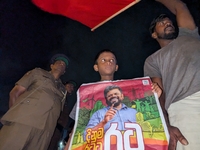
point(119, 115)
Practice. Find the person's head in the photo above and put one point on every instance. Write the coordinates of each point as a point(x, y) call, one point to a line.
point(106, 63)
point(59, 63)
point(70, 85)
point(113, 95)
point(162, 28)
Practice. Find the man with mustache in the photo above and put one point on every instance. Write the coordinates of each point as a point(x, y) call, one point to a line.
point(176, 68)
point(116, 111)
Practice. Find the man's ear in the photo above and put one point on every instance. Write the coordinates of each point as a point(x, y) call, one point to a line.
point(154, 35)
point(95, 67)
point(116, 67)
point(51, 66)
point(122, 96)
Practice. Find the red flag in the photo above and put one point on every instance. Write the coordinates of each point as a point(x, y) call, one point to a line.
point(92, 13)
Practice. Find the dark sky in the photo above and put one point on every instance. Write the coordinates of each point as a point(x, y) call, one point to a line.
point(29, 37)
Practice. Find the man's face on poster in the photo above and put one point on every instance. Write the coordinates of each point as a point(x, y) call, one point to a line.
point(115, 97)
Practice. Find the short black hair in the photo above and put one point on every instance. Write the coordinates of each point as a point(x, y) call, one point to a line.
point(111, 87)
point(102, 51)
point(70, 82)
point(155, 20)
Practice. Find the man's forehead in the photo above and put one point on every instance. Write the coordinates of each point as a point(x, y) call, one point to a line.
point(166, 18)
point(163, 19)
point(106, 55)
point(114, 90)
point(56, 61)
point(69, 84)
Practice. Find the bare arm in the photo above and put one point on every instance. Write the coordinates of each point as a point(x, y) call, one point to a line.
point(15, 93)
point(108, 116)
point(183, 16)
point(162, 98)
point(175, 134)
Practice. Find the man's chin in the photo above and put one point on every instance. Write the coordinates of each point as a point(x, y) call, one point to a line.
point(113, 101)
point(116, 104)
point(60, 70)
point(169, 36)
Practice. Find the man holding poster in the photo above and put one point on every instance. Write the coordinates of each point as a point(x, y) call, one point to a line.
point(176, 68)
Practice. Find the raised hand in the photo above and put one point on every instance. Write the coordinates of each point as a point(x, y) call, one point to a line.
point(109, 114)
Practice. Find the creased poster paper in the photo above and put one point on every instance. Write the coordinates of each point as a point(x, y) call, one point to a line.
point(138, 125)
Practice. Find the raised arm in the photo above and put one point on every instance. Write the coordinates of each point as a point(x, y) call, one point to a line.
point(183, 16)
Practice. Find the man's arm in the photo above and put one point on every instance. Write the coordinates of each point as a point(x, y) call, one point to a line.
point(15, 93)
point(162, 98)
point(175, 134)
point(108, 116)
point(183, 17)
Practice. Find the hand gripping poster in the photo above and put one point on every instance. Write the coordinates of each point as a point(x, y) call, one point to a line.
point(119, 115)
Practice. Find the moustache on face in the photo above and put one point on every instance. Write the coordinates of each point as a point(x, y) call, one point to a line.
point(114, 103)
point(114, 98)
point(169, 26)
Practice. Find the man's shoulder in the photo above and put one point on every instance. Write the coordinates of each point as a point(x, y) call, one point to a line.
point(33, 71)
point(102, 110)
point(129, 108)
point(151, 57)
point(39, 71)
point(132, 109)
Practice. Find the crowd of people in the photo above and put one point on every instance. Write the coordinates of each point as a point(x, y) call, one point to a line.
point(39, 114)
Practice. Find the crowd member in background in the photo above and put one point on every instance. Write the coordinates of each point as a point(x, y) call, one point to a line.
point(35, 105)
point(64, 122)
point(176, 68)
point(71, 100)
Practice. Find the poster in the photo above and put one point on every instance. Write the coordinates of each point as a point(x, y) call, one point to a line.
point(134, 121)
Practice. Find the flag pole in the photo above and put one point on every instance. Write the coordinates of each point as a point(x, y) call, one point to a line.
point(120, 11)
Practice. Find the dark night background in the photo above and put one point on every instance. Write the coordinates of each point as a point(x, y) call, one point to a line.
point(30, 36)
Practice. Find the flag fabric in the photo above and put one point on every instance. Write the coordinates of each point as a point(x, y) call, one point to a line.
point(92, 13)
point(137, 124)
